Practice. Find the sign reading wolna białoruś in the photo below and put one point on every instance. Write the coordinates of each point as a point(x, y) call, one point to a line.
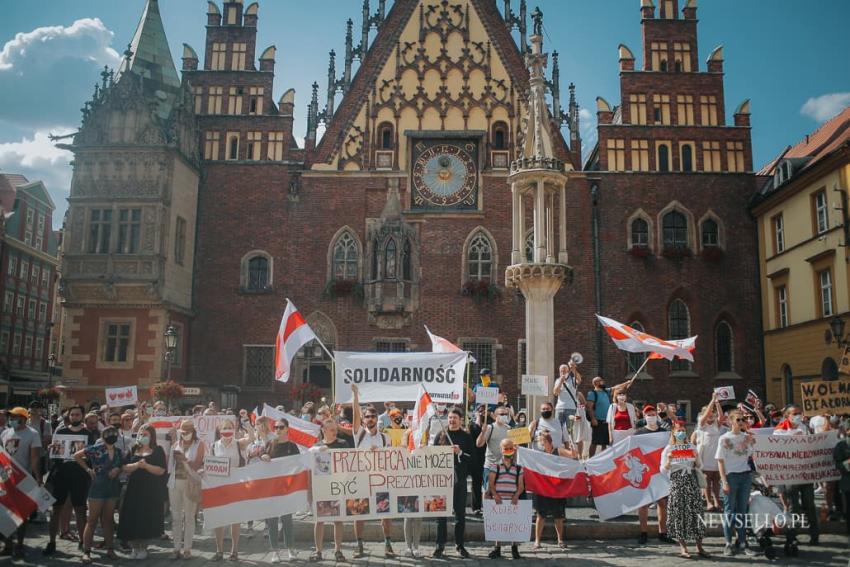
point(826, 396)
point(372, 484)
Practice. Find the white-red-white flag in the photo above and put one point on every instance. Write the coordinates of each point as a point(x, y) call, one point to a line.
point(439, 344)
point(552, 476)
point(422, 412)
point(631, 340)
point(255, 492)
point(20, 494)
point(628, 475)
point(294, 333)
point(301, 432)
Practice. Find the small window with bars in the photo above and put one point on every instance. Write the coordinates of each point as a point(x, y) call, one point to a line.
point(391, 345)
point(484, 352)
point(259, 365)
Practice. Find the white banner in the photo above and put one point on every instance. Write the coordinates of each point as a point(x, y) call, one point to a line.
point(507, 522)
point(396, 376)
point(535, 385)
point(123, 396)
point(796, 459)
point(373, 484)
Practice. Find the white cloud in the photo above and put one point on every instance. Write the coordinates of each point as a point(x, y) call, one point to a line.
point(824, 107)
point(87, 39)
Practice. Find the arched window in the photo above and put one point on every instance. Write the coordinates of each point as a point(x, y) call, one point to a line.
point(345, 257)
point(677, 66)
point(529, 246)
point(687, 157)
point(390, 260)
point(675, 227)
point(710, 233)
point(500, 136)
point(385, 132)
point(663, 157)
point(640, 234)
point(788, 384)
point(636, 359)
point(258, 273)
point(679, 322)
point(375, 262)
point(480, 258)
point(829, 369)
point(407, 261)
point(723, 347)
point(664, 65)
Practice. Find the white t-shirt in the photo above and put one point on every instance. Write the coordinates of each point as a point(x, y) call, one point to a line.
point(708, 436)
point(436, 425)
point(365, 440)
point(735, 449)
point(555, 429)
point(567, 397)
point(19, 442)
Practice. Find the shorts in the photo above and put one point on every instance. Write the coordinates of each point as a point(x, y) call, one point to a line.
point(564, 416)
point(69, 482)
point(105, 489)
point(599, 435)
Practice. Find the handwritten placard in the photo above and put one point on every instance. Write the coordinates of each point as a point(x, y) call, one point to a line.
point(216, 466)
point(489, 396)
point(123, 396)
point(507, 522)
point(535, 385)
point(520, 436)
point(725, 393)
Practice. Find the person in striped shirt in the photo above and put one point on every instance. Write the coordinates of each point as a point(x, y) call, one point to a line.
point(506, 483)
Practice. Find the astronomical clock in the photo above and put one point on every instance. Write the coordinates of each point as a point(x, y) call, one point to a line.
point(444, 175)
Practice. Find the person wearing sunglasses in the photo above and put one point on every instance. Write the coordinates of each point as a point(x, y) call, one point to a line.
point(280, 446)
point(797, 498)
point(734, 449)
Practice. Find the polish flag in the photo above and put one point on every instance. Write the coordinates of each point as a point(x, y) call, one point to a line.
point(255, 492)
point(552, 476)
point(294, 333)
point(628, 475)
point(631, 340)
point(20, 495)
point(422, 412)
point(301, 432)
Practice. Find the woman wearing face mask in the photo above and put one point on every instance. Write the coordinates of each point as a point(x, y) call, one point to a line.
point(621, 419)
point(396, 432)
point(506, 483)
point(709, 430)
point(685, 506)
point(278, 446)
point(187, 457)
point(228, 446)
point(142, 511)
point(103, 464)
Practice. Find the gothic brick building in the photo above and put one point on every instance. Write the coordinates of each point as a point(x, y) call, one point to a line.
point(398, 214)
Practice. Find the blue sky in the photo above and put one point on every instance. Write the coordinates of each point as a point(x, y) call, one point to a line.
point(789, 58)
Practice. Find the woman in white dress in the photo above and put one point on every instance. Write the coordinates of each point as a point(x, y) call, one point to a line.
point(228, 446)
point(710, 427)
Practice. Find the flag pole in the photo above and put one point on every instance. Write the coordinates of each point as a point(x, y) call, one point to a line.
point(466, 391)
point(440, 421)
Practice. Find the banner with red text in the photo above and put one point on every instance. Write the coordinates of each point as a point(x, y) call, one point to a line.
point(376, 484)
point(123, 396)
point(796, 459)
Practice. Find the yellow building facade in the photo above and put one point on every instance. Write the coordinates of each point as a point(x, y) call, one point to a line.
point(804, 260)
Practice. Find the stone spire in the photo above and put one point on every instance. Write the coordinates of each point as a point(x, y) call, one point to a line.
point(149, 55)
point(538, 145)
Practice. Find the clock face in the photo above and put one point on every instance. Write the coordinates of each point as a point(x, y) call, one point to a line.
point(445, 175)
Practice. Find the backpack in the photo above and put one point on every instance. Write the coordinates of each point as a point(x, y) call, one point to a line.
point(362, 434)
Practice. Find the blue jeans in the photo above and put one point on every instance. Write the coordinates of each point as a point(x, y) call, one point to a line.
point(288, 532)
point(486, 479)
point(735, 506)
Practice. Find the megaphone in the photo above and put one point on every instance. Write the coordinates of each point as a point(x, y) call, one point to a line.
point(577, 358)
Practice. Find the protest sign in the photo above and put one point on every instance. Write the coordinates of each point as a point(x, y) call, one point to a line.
point(64, 446)
point(796, 459)
point(489, 396)
point(823, 396)
point(507, 522)
point(752, 399)
point(535, 385)
point(206, 426)
point(216, 466)
point(371, 484)
point(123, 396)
point(396, 376)
point(725, 393)
point(520, 436)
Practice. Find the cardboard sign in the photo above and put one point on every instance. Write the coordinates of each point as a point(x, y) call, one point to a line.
point(506, 522)
point(725, 393)
point(826, 396)
point(489, 396)
point(520, 436)
point(216, 466)
point(796, 459)
point(64, 446)
point(206, 426)
point(374, 484)
point(123, 396)
point(535, 385)
point(844, 365)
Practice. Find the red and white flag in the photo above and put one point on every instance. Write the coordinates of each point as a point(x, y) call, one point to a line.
point(439, 344)
point(628, 475)
point(255, 492)
point(301, 432)
point(20, 495)
point(294, 333)
point(631, 340)
point(552, 476)
point(422, 412)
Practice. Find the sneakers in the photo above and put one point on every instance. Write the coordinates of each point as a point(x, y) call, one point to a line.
point(750, 552)
point(316, 556)
point(664, 538)
point(728, 550)
point(49, 549)
point(515, 552)
point(496, 553)
point(643, 538)
point(388, 550)
point(439, 553)
point(86, 558)
point(461, 550)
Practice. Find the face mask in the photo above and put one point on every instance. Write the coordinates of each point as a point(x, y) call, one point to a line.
point(680, 435)
point(440, 407)
point(485, 381)
point(110, 439)
point(621, 399)
point(115, 425)
point(504, 419)
point(508, 454)
point(187, 436)
point(76, 423)
point(796, 419)
point(652, 420)
point(144, 439)
point(306, 416)
point(546, 414)
point(397, 420)
point(227, 434)
point(159, 413)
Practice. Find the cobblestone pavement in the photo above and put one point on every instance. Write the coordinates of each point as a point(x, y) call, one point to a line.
point(832, 551)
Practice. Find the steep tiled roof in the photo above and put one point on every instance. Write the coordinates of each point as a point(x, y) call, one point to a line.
point(16, 179)
point(816, 145)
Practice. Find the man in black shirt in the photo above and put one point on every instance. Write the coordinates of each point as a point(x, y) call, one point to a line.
point(330, 440)
point(476, 466)
point(281, 446)
point(67, 478)
point(463, 446)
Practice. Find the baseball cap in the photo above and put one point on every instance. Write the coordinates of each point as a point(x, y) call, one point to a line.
point(648, 407)
point(19, 411)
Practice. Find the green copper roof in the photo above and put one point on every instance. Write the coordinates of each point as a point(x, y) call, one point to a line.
point(151, 56)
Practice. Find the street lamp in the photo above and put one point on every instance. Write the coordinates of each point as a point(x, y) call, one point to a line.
point(51, 368)
point(836, 329)
point(170, 346)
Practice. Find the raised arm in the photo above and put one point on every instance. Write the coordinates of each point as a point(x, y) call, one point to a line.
point(355, 408)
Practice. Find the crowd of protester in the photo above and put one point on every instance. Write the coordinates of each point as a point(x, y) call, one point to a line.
point(122, 472)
